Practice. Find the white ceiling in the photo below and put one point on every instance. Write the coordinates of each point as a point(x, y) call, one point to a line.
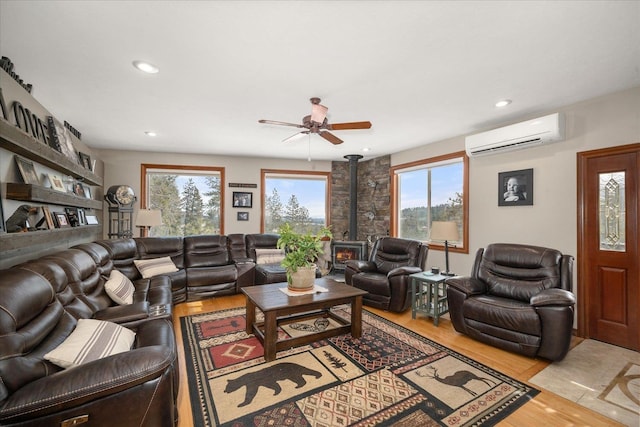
point(419, 71)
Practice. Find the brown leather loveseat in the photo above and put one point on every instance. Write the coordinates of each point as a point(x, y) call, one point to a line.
point(517, 298)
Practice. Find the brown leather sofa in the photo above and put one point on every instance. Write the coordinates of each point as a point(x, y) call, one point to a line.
point(517, 298)
point(137, 387)
point(386, 274)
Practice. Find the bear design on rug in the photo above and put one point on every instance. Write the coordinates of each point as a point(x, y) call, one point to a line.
point(269, 377)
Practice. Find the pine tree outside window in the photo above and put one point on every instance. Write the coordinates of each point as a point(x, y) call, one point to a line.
point(189, 197)
point(298, 198)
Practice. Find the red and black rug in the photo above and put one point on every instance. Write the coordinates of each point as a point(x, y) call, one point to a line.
point(389, 377)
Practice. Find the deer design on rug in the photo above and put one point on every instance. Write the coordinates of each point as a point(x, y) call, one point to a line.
point(457, 379)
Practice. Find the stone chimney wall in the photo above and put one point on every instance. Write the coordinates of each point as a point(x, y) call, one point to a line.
point(374, 200)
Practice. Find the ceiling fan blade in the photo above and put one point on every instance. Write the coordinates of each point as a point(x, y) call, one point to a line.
point(330, 137)
point(273, 122)
point(296, 136)
point(347, 126)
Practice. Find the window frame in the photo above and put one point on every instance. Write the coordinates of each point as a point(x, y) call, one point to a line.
point(293, 174)
point(144, 167)
point(394, 193)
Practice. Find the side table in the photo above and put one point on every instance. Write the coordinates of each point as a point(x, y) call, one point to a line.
point(429, 295)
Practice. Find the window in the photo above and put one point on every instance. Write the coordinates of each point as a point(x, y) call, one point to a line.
point(430, 190)
point(299, 198)
point(189, 197)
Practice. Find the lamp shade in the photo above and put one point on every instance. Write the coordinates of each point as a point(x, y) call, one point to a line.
point(444, 231)
point(149, 218)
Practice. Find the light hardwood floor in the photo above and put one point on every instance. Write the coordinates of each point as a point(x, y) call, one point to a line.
point(546, 409)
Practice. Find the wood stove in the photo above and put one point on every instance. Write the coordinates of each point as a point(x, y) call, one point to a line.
point(345, 250)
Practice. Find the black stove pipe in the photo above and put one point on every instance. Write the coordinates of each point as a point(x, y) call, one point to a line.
point(353, 195)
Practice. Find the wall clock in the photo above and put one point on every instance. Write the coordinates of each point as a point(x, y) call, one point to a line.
point(122, 195)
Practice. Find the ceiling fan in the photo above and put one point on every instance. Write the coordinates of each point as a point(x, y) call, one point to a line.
point(317, 123)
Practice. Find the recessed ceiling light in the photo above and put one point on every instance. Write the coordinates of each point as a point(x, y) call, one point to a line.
point(503, 103)
point(366, 149)
point(146, 67)
point(150, 133)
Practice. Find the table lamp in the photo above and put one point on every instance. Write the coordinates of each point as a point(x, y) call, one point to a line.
point(148, 218)
point(445, 231)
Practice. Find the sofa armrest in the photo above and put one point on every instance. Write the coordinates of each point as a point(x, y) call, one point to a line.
point(467, 285)
point(403, 271)
point(124, 313)
point(72, 388)
point(361, 266)
point(556, 297)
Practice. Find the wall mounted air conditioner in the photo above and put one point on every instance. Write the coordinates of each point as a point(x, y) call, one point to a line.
point(520, 135)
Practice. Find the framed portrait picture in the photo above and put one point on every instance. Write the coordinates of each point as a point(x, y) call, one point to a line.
point(85, 160)
point(27, 171)
point(242, 199)
point(87, 191)
point(61, 138)
point(243, 216)
point(78, 189)
point(72, 216)
point(61, 220)
point(56, 183)
point(48, 218)
point(515, 188)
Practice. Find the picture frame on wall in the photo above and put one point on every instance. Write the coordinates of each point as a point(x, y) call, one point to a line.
point(61, 220)
point(61, 138)
point(72, 216)
point(515, 188)
point(78, 189)
point(243, 216)
point(91, 219)
point(56, 183)
point(85, 160)
point(48, 218)
point(27, 171)
point(242, 199)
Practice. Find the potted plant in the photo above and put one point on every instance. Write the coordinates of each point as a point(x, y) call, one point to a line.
point(301, 253)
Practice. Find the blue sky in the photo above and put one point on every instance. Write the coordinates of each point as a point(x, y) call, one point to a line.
point(310, 193)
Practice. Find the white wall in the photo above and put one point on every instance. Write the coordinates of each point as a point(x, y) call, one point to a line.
point(123, 167)
point(552, 220)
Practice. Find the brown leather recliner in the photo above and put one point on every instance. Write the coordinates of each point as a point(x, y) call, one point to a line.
point(386, 275)
point(517, 298)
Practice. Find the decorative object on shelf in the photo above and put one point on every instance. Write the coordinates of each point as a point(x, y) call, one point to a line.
point(87, 192)
point(62, 221)
point(85, 160)
point(72, 215)
point(243, 216)
point(301, 253)
point(446, 231)
point(148, 218)
point(62, 138)
point(27, 171)
point(92, 220)
point(78, 189)
point(17, 222)
point(48, 218)
point(242, 199)
point(515, 188)
point(3, 229)
point(82, 218)
point(56, 183)
point(121, 199)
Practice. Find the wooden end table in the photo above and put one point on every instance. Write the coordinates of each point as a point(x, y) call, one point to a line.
point(429, 295)
point(279, 308)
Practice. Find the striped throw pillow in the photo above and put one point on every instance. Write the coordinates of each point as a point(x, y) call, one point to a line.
point(269, 256)
point(155, 266)
point(119, 288)
point(91, 340)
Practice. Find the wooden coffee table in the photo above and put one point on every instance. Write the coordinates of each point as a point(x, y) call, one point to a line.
point(279, 308)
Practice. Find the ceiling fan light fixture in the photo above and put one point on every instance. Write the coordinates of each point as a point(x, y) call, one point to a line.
point(146, 67)
point(318, 113)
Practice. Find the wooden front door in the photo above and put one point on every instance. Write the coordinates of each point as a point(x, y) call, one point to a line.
point(608, 255)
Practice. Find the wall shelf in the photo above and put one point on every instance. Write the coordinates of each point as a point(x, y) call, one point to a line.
point(19, 142)
point(11, 242)
point(36, 193)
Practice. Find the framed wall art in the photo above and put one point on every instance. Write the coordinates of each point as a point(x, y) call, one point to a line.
point(78, 189)
point(85, 160)
point(515, 188)
point(61, 220)
point(242, 199)
point(48, 218)
point(27, 171)
point(62, 142)
point(56, 183)
point(243, 216)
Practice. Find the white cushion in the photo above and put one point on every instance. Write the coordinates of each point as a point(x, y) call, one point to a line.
point(91, 340)
point(269, 256)
point(119, 288)
point(155, 266)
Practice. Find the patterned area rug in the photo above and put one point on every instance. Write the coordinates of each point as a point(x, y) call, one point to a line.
point(389, 377)
point(599, 376)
